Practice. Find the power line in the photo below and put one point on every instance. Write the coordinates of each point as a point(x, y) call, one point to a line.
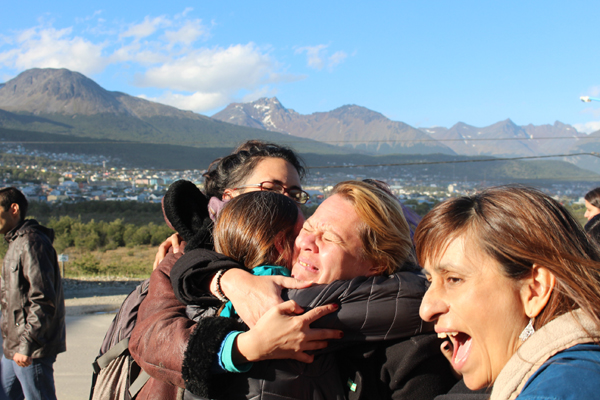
point(461, 140)
point(456, 161)
point(225, 144)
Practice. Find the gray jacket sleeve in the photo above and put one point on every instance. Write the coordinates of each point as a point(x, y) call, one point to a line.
point(371, 309)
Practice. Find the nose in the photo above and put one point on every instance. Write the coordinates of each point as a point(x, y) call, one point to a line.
point(432, 306)
point(306, 241)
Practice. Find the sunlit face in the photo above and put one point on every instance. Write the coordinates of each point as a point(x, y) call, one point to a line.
point(328, 247)
point(590, 210)
point(478, 307)
point(269, 169)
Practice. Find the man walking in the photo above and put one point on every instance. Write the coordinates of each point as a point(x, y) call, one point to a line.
point(32, 300)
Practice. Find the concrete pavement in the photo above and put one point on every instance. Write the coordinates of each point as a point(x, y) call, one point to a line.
point(73, 369)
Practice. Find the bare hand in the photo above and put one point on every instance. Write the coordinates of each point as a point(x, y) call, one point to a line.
point(22, 360)
point(173, 241)
point(252, 296)
point(281, 333)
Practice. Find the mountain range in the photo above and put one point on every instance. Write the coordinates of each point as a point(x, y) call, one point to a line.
point(63, 102)
point(66, 102)
point(371, 132)
point(360, 128)
point(351, 126)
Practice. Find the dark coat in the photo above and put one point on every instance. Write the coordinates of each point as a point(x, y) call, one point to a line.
point(593, 228)
point(33, 305)
point(381, 309)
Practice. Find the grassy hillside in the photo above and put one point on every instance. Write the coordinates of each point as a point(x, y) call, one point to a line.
point(509, 171)
point(162, 130)
point(164, 156)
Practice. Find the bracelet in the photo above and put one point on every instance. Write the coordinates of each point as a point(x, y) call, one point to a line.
point(218, 291)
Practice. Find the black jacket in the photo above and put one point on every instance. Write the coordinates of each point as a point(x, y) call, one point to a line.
point(33, 306)
point(593, 228)
point(382, 309)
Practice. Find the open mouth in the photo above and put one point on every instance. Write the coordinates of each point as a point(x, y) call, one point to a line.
point(457, 348)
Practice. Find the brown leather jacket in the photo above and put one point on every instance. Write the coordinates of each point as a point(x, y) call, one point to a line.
point(161, 335)
point(33, 304)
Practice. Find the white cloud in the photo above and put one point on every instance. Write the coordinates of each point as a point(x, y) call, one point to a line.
point(146, 28)
point(188, 33)
point(51, 48)
point(212, 70)
point(588, 127)
point(164, 52)
point(317, 57)
point(184, 12)
point(137, 53)
point(314, 55)
point(198, 102)
point(337, 58)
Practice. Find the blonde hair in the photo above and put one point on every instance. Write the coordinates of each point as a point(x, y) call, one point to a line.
point(384, 232)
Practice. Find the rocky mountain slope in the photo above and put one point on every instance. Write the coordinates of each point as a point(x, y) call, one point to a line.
point(351, 126)
point(505, 138)
point(66, 102)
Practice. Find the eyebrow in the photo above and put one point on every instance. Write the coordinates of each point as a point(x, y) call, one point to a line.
point(440, 268)
point(277, 181)
point(325, 228)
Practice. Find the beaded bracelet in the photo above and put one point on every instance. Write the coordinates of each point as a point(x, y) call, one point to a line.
point(218, 291)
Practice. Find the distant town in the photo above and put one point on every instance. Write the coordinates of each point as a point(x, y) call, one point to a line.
point(95, 179)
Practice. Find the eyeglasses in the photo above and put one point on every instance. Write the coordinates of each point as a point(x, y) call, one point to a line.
point(298, 195)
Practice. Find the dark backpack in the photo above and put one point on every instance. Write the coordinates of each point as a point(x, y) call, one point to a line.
point(116, 375)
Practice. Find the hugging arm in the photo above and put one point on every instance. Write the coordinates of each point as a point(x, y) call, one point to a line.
point(193, 276)
point(371, 308)
point(162, 331)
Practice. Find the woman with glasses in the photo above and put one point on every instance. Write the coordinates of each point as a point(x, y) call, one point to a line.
point(163, 329)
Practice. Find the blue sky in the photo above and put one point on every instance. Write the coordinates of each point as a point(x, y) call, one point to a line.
point(430, 63)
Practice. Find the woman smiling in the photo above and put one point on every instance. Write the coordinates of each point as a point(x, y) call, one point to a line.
point(515, 290)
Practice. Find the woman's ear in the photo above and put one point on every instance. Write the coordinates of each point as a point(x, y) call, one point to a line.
point(536, 290)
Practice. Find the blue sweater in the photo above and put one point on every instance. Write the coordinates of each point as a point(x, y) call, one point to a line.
point(571, 374)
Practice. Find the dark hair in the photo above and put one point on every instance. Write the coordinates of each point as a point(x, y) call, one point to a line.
point(232, 170)
point(11, 195)
point(593, 197)
point(519, 227)
point(251, 225)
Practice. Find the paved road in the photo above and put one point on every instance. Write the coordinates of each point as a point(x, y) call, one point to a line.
point(87, 320)
point(73, 369)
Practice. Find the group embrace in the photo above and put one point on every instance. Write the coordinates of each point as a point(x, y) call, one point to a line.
point(494, 295)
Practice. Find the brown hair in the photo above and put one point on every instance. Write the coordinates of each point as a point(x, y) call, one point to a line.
point(519, 227)
point(593, 197)
point(251, 224)
point(384, 232)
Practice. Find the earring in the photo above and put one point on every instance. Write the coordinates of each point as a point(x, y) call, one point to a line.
point(528, 331)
